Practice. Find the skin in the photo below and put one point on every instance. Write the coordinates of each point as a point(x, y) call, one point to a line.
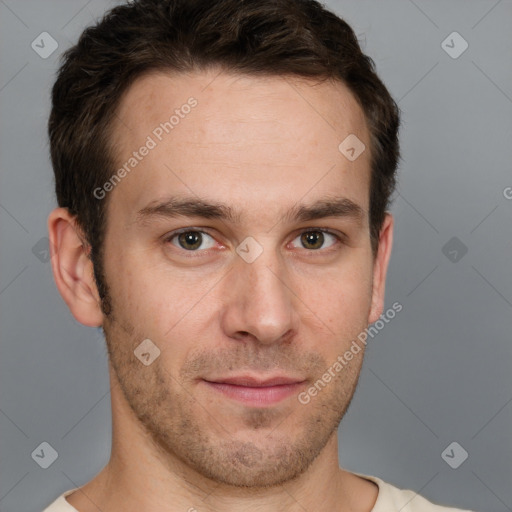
point(261, 146)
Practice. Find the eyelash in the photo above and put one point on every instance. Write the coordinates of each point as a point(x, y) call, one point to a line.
point(337, 236)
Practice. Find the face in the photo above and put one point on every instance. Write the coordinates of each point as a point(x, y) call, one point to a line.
point(238, 243)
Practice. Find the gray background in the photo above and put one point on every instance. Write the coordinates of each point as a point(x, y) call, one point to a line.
point(439, 372)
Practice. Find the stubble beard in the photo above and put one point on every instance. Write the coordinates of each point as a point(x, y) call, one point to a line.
point(275, 448)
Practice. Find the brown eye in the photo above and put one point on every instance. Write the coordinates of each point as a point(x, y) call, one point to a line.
point(312, 239)
point(191, 240)
point(315, 239)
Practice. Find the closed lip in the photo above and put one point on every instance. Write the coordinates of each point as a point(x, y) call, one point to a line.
point(256, 382)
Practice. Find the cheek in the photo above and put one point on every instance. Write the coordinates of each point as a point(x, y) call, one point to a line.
point(168, 310)
point(158, 301)
point(340, 297)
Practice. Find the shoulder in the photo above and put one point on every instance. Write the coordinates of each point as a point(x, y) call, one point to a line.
point(61, 504)
point(391, 498)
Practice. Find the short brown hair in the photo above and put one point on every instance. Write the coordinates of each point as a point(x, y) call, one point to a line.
point(270, 37)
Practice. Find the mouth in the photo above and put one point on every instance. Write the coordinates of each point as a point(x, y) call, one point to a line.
point(254, 391)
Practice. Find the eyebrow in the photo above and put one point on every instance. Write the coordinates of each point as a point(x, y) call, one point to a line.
point(340, 207)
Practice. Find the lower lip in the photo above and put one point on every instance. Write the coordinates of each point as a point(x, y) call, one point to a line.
point(256, 396)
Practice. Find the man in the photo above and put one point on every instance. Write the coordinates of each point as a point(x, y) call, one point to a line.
point(223, 171)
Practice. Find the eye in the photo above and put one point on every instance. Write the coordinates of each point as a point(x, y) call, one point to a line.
point(194, 240)
point(314, 238)
point(191, 240)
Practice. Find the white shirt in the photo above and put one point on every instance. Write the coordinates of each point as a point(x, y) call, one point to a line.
point(389, 499)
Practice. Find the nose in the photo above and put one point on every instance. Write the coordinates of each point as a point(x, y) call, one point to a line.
point(260, 304)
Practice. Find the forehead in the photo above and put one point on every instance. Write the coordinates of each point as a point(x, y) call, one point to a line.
point(153, 97)
point(246, 138)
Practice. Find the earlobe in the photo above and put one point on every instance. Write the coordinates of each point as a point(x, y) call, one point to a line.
point(72, 268)
point(380, 268)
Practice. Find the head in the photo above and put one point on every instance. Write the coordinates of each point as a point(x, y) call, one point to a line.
point(241, 108)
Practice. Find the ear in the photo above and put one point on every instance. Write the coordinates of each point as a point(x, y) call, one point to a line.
point(72, 268)
point(380, 267)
